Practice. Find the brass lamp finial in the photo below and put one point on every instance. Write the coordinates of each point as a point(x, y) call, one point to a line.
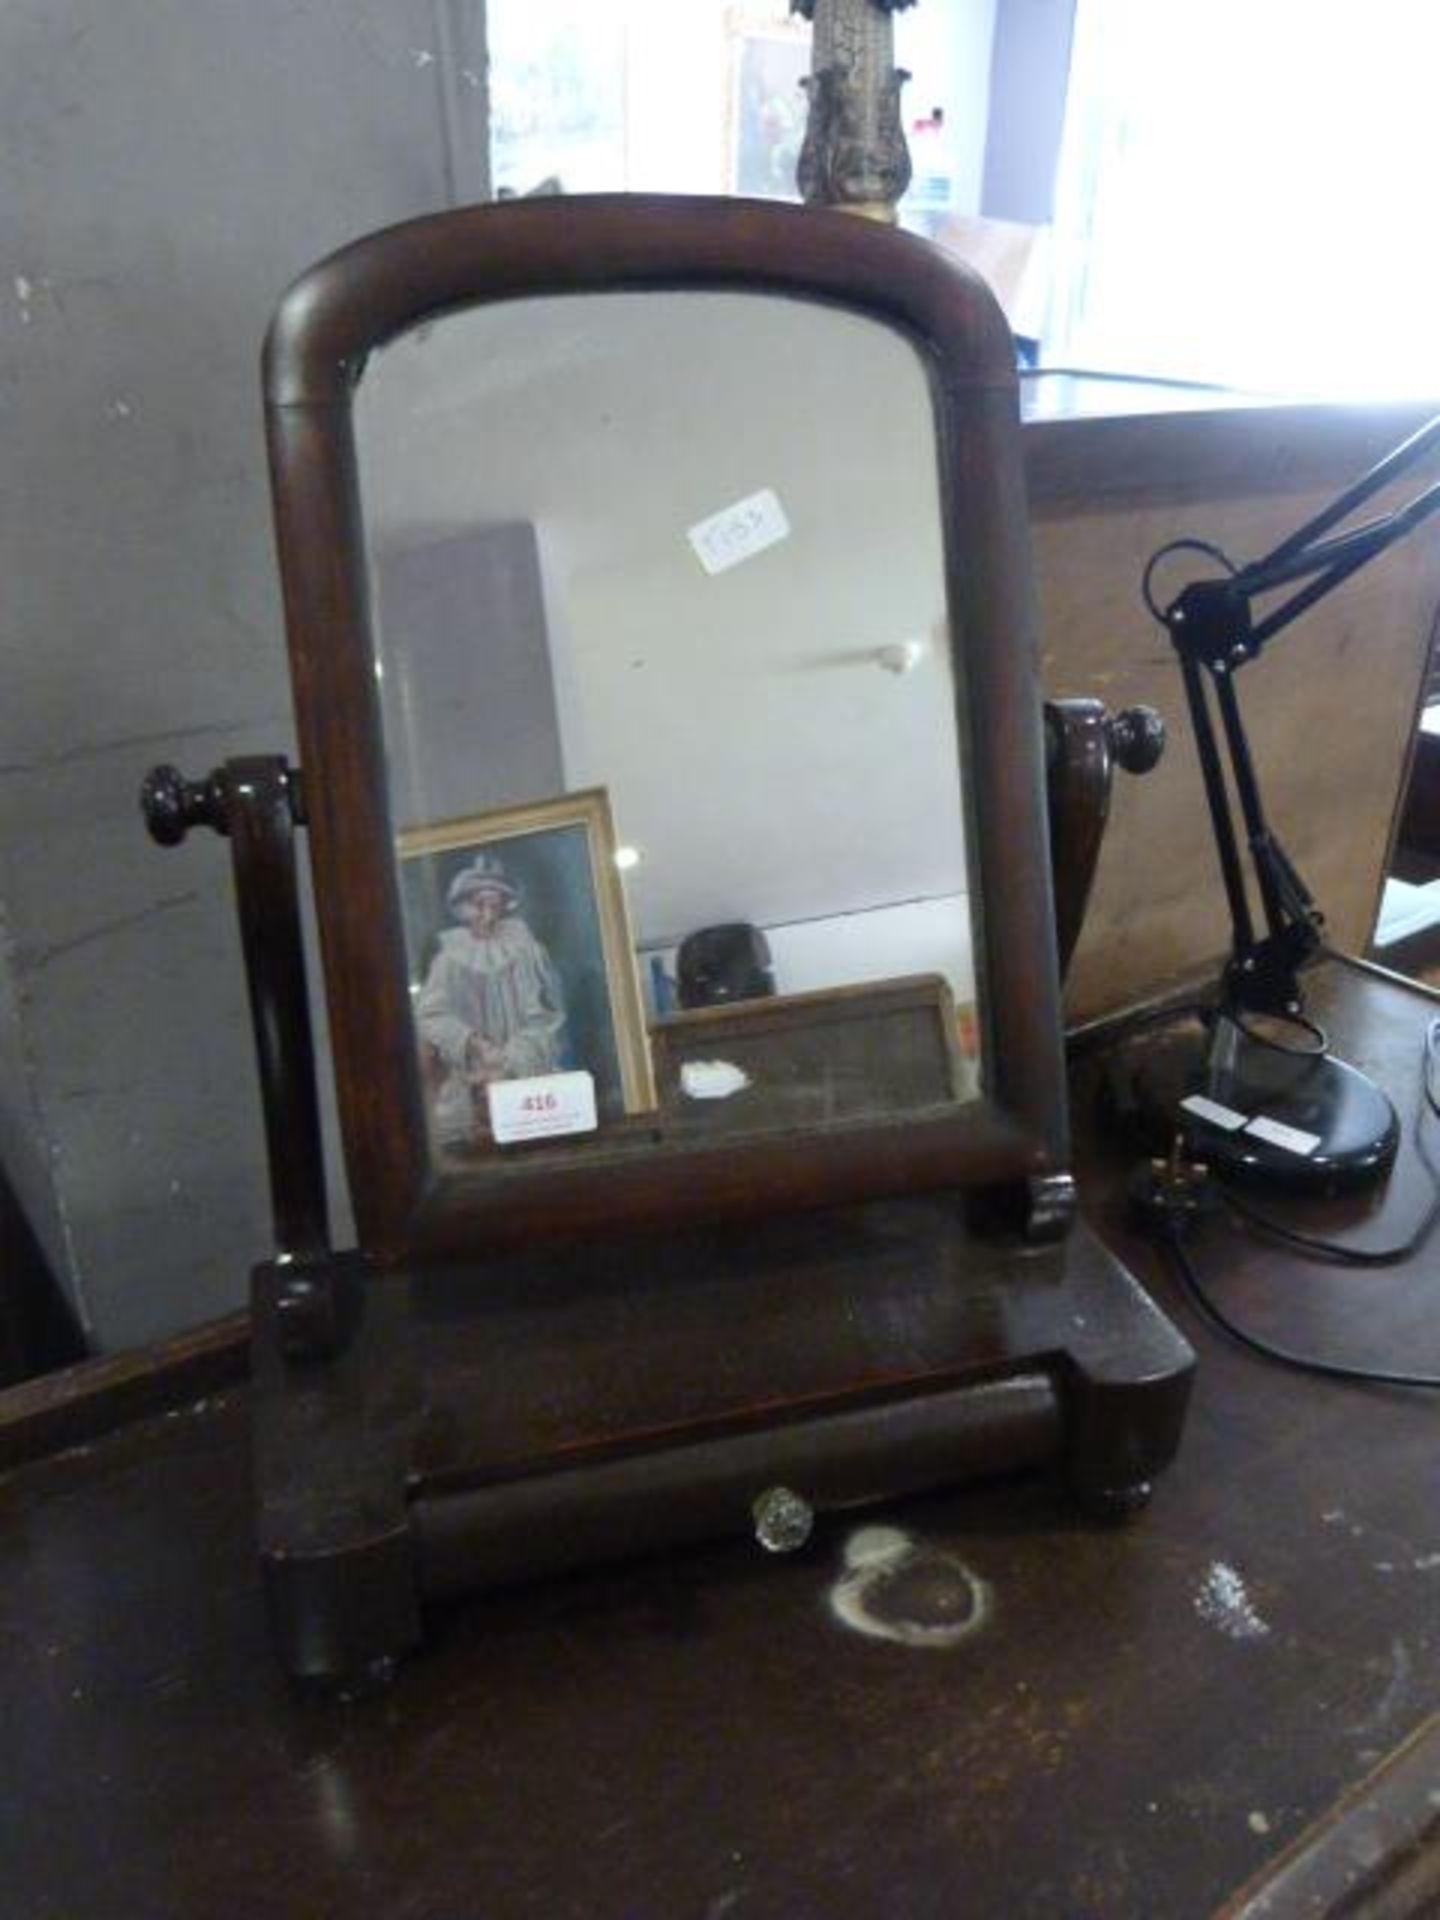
point(854, 154)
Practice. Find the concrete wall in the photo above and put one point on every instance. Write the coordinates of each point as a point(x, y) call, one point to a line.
point(168, 168)
point(1029, 70)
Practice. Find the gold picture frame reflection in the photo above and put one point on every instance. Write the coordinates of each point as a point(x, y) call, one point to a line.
point(767, 107)
point(521, 960)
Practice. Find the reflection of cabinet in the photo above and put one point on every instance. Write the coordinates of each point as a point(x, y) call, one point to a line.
point(812, 1058)
point(1417, 833)
point(1407, 932)
point(1407, 936)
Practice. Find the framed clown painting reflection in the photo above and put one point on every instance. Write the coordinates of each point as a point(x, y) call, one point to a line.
point(522, 975)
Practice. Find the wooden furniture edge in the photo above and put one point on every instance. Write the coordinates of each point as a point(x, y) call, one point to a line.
point(1375, 1851)
point(1071, 464)
point(80, 1404)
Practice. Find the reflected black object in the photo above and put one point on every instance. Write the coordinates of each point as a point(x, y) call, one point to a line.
point(716, 965)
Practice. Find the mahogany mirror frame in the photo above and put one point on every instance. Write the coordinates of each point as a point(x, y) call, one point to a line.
point(327, 326)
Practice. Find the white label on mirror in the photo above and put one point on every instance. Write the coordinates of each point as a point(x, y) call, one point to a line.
point(545, 1104)
point(712, 1079)
point(740, 532)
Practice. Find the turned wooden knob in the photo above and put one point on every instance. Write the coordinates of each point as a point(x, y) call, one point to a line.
point(172, 804)
point(1137, 738)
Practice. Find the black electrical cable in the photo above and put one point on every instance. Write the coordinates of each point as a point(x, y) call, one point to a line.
point(1210, 551)
point(1283, 1356)
point(1336, 1250)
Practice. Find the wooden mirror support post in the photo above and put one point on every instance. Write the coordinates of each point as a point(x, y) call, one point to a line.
point(685, 1324)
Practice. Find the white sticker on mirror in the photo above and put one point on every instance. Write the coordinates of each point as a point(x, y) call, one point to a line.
point(712, 1079)
point(740, 531)
point(548, 1103)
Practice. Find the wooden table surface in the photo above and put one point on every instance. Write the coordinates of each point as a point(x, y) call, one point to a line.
point(1140, 1721)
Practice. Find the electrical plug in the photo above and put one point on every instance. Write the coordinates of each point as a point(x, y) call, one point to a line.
point(1168, 1199)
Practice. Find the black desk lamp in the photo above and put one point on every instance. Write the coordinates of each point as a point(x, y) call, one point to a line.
point(1268, 1101)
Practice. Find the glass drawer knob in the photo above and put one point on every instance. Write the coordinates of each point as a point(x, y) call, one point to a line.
point(783, 1521)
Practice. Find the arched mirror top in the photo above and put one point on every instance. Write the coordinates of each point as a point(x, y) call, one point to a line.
point(362, 296)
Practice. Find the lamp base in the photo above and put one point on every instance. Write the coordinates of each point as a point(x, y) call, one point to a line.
point(1305, 1123)
point(1257, 1113)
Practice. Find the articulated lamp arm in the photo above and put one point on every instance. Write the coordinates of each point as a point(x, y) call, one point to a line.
point(1213, 629)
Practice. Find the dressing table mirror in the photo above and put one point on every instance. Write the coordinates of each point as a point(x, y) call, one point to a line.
point(659, 605)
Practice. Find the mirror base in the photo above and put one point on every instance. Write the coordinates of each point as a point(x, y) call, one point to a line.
point(864, 1360)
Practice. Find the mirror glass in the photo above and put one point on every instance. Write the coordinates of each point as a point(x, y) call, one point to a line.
point(671, 729)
